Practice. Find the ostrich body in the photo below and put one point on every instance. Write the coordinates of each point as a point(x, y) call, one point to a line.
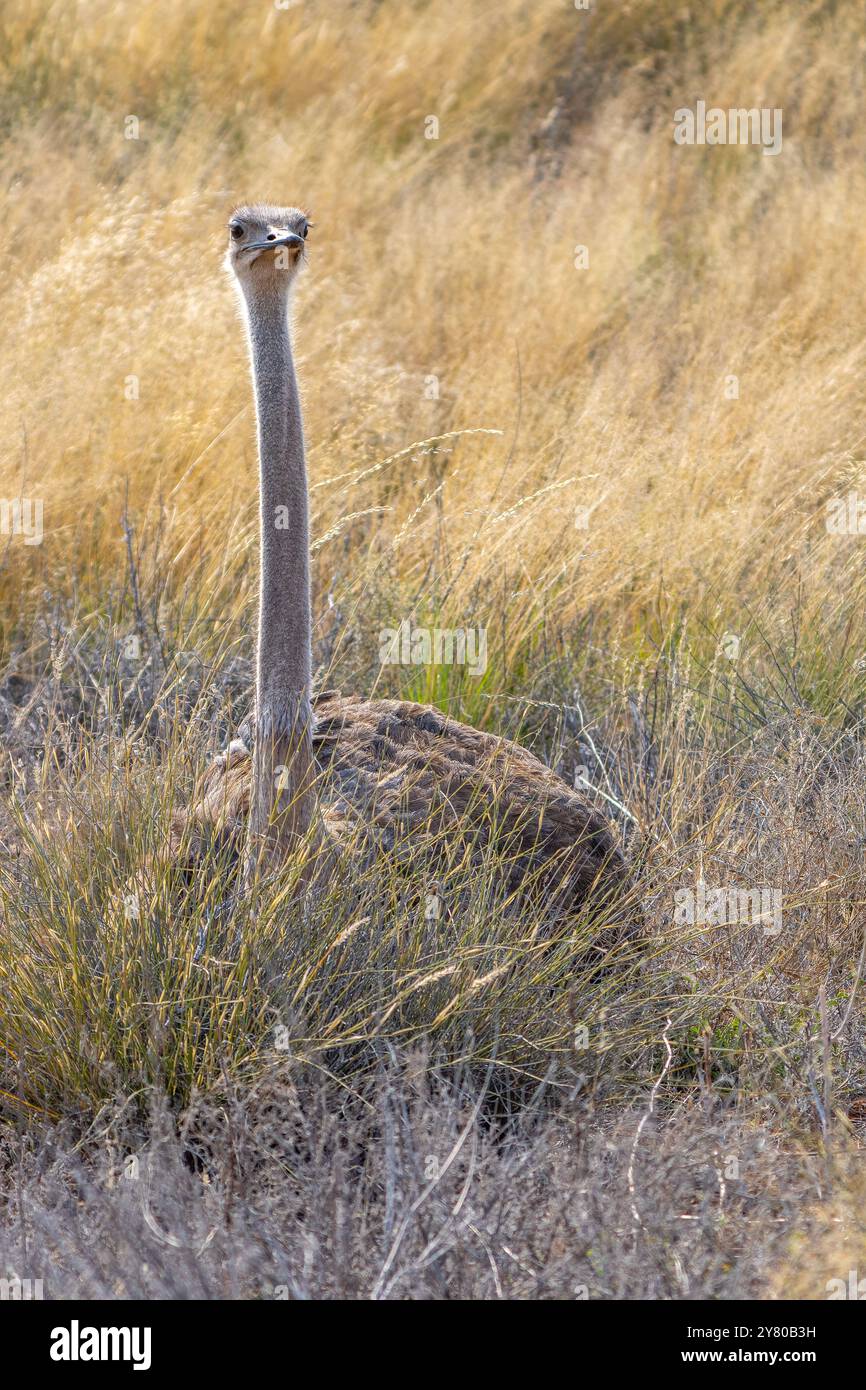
point(336, 765)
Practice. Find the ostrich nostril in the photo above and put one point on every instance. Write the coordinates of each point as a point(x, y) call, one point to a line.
point(272, 236)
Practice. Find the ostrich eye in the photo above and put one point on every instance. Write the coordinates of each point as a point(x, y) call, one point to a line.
point(237, 230)
point(304, 230)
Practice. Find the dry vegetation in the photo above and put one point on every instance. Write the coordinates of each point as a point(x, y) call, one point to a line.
point(352, 1100)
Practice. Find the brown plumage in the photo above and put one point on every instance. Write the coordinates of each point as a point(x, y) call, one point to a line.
point(411, 781)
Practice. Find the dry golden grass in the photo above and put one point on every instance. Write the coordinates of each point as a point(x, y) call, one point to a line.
point(455, 258)
point(561, 391)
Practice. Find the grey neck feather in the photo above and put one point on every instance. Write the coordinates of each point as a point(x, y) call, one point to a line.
point(282, 803)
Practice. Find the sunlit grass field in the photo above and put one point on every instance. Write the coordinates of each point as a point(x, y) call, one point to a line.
point(564, 380)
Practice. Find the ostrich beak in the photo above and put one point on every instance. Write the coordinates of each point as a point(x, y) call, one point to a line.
point(284, 239)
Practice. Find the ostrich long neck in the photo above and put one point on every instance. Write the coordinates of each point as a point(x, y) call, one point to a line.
point(282, 802)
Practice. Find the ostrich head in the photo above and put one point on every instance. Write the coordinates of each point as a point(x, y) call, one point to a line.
point(266, 246)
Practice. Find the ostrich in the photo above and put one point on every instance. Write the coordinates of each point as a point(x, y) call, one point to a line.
point(331, 766)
